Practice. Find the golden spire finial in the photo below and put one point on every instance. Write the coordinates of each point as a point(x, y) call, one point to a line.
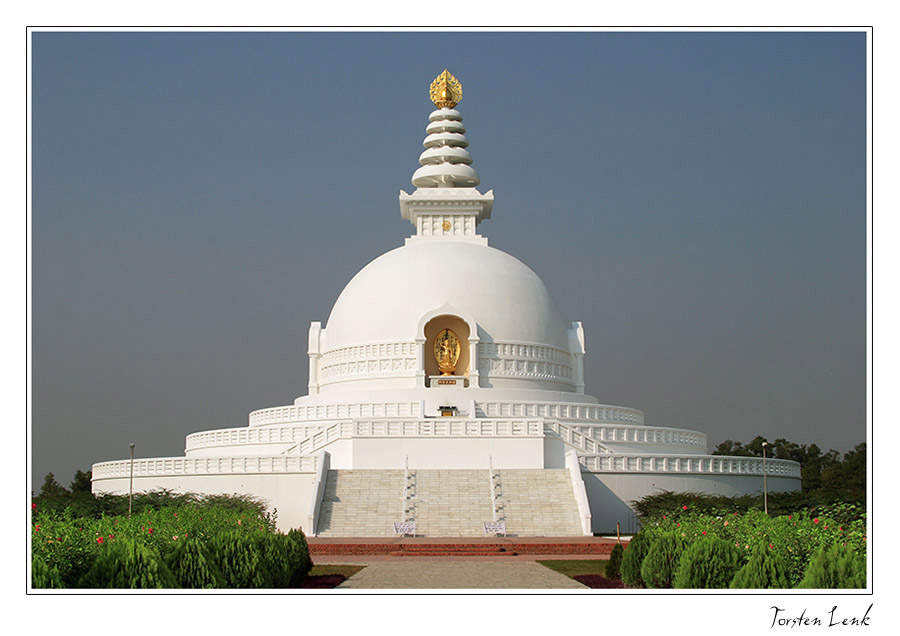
point(446, 91)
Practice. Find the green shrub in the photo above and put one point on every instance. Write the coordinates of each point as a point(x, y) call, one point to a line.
point(709, 563)
point(766, 569)
point(614, 565)
point(240, 557)
point(835, 567)
point(274, 556)
point(128, 564)
point(634, 557)
point(237, 558)
point(298, 557)
point(194, 567)
point(44, 576)
point(660, 564)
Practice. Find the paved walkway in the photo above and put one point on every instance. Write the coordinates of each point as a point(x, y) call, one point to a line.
point(458, 575)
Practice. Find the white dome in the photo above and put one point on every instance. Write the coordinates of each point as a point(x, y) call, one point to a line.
point(388, 298)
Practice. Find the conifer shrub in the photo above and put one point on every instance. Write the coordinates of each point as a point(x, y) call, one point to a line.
point(298, 556)
point(709, 563)
point(128, 564)
point(765, 569)
point(240, 560)
point(194, 567)
point(274, 556)
point(659, 566)
point(835, 567)
point(44, 576)
point(614, 565)
point(634, 557)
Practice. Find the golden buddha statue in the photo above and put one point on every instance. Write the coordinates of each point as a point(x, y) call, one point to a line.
point(446, 351)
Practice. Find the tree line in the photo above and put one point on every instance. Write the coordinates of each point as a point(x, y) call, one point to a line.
point(827, 476)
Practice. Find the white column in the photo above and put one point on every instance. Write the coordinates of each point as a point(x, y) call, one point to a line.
point(473, 361)
point(420, 364)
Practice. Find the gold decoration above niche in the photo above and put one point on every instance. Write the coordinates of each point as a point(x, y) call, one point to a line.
point(446, 351)
point(446, 91)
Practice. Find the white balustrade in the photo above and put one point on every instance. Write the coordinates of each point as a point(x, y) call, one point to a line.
point(204, 466)
point(311, 413)
point(561, 411)
point(686, 464)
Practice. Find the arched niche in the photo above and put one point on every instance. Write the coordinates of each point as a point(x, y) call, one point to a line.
point(458, 326)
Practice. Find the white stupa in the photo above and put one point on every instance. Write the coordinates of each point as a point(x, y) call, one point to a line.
point(447, 391)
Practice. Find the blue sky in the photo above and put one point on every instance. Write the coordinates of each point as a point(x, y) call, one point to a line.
point(698, 200)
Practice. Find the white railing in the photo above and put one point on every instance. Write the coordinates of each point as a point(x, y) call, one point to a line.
point(687, 464)
point(165, 466)
point(581, 498)
point(293, 413)
point(323, 463)
point(641, 434)
point(573, 438)
point(561, 411)
point(305, 439)
point(245, 435)
point(557, 410)
point(449, 427)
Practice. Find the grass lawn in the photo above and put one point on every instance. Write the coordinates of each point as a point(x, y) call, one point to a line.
point(327, 577)
point(587, 572)
point(327, 570)
point(572, 567)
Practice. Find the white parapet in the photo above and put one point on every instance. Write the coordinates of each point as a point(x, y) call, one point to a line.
point(581, 498)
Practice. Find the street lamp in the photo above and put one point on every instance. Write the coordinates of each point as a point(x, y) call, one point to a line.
point(131, 480)
point(765, 484)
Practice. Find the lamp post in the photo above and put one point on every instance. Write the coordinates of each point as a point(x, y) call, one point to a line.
point(765, 483)
point(131, 480)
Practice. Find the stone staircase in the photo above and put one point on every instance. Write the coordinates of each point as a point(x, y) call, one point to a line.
point(538, 503)
point(448, 503)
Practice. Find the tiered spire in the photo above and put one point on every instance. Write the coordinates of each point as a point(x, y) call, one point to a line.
point(445, 203)
point(445, 163)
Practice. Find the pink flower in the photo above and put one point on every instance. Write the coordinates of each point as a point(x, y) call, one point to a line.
point(790, 516)
point(664, 516)
point(239, 522)
point(174, 537)
point(726, 523)
point(34, 506)
point(815, 521)
point(771, 547)
point(684, 507)
point(678, 525)
point(111, 536)
point(36, 528)
point(99, 539)
point(704, 532)
point(150, 531)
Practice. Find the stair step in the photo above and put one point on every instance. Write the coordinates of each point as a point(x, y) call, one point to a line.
point(448, 503)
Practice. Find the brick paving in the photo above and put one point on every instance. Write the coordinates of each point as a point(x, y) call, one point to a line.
point(491, 549)
point(458, 575)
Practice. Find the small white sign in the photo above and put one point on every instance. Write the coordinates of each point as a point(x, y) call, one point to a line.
point(495, 527)
point(405, 527)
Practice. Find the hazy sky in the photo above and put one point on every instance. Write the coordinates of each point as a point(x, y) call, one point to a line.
point(698, 200)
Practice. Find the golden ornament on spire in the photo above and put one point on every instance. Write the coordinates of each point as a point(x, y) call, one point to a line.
point(446, 91)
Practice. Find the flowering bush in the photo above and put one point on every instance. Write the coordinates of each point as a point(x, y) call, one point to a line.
point(65, 548)
point(659, 566)
point(709, 563)
point(791, 539)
